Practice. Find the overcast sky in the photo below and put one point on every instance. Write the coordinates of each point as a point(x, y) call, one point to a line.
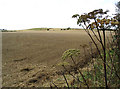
point(24, 14)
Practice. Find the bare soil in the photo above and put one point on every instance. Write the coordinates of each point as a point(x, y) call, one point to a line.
point(31, 58)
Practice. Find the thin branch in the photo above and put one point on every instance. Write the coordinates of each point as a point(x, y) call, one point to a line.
point(95, 35)
point(81, 74)
point(105, 70)
point(99, 35)
point(71, 74)
point(66, 81)
point(55, 85)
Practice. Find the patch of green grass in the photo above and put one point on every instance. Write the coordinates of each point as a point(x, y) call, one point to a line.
point(37, 29)
point(95, 76)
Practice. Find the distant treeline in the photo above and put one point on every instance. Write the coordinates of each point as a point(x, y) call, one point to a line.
point(5, 30)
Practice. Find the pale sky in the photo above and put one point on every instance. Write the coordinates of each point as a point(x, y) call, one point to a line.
point(25, 14)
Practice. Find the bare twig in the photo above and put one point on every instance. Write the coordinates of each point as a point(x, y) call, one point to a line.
point(71, 74)
point(81, 74)
point(105, 71)
point(66, 81)
point(55, 85)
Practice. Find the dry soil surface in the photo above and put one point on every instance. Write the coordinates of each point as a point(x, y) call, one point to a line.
point(32, 57)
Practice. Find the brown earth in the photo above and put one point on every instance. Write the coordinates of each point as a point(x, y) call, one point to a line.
point(30, 58)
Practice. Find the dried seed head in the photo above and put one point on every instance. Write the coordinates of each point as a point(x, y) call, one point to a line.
point(98, 20)
point(92, 27)
point(107, 22)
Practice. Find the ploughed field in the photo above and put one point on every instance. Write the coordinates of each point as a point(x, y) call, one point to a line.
point(30, 58)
